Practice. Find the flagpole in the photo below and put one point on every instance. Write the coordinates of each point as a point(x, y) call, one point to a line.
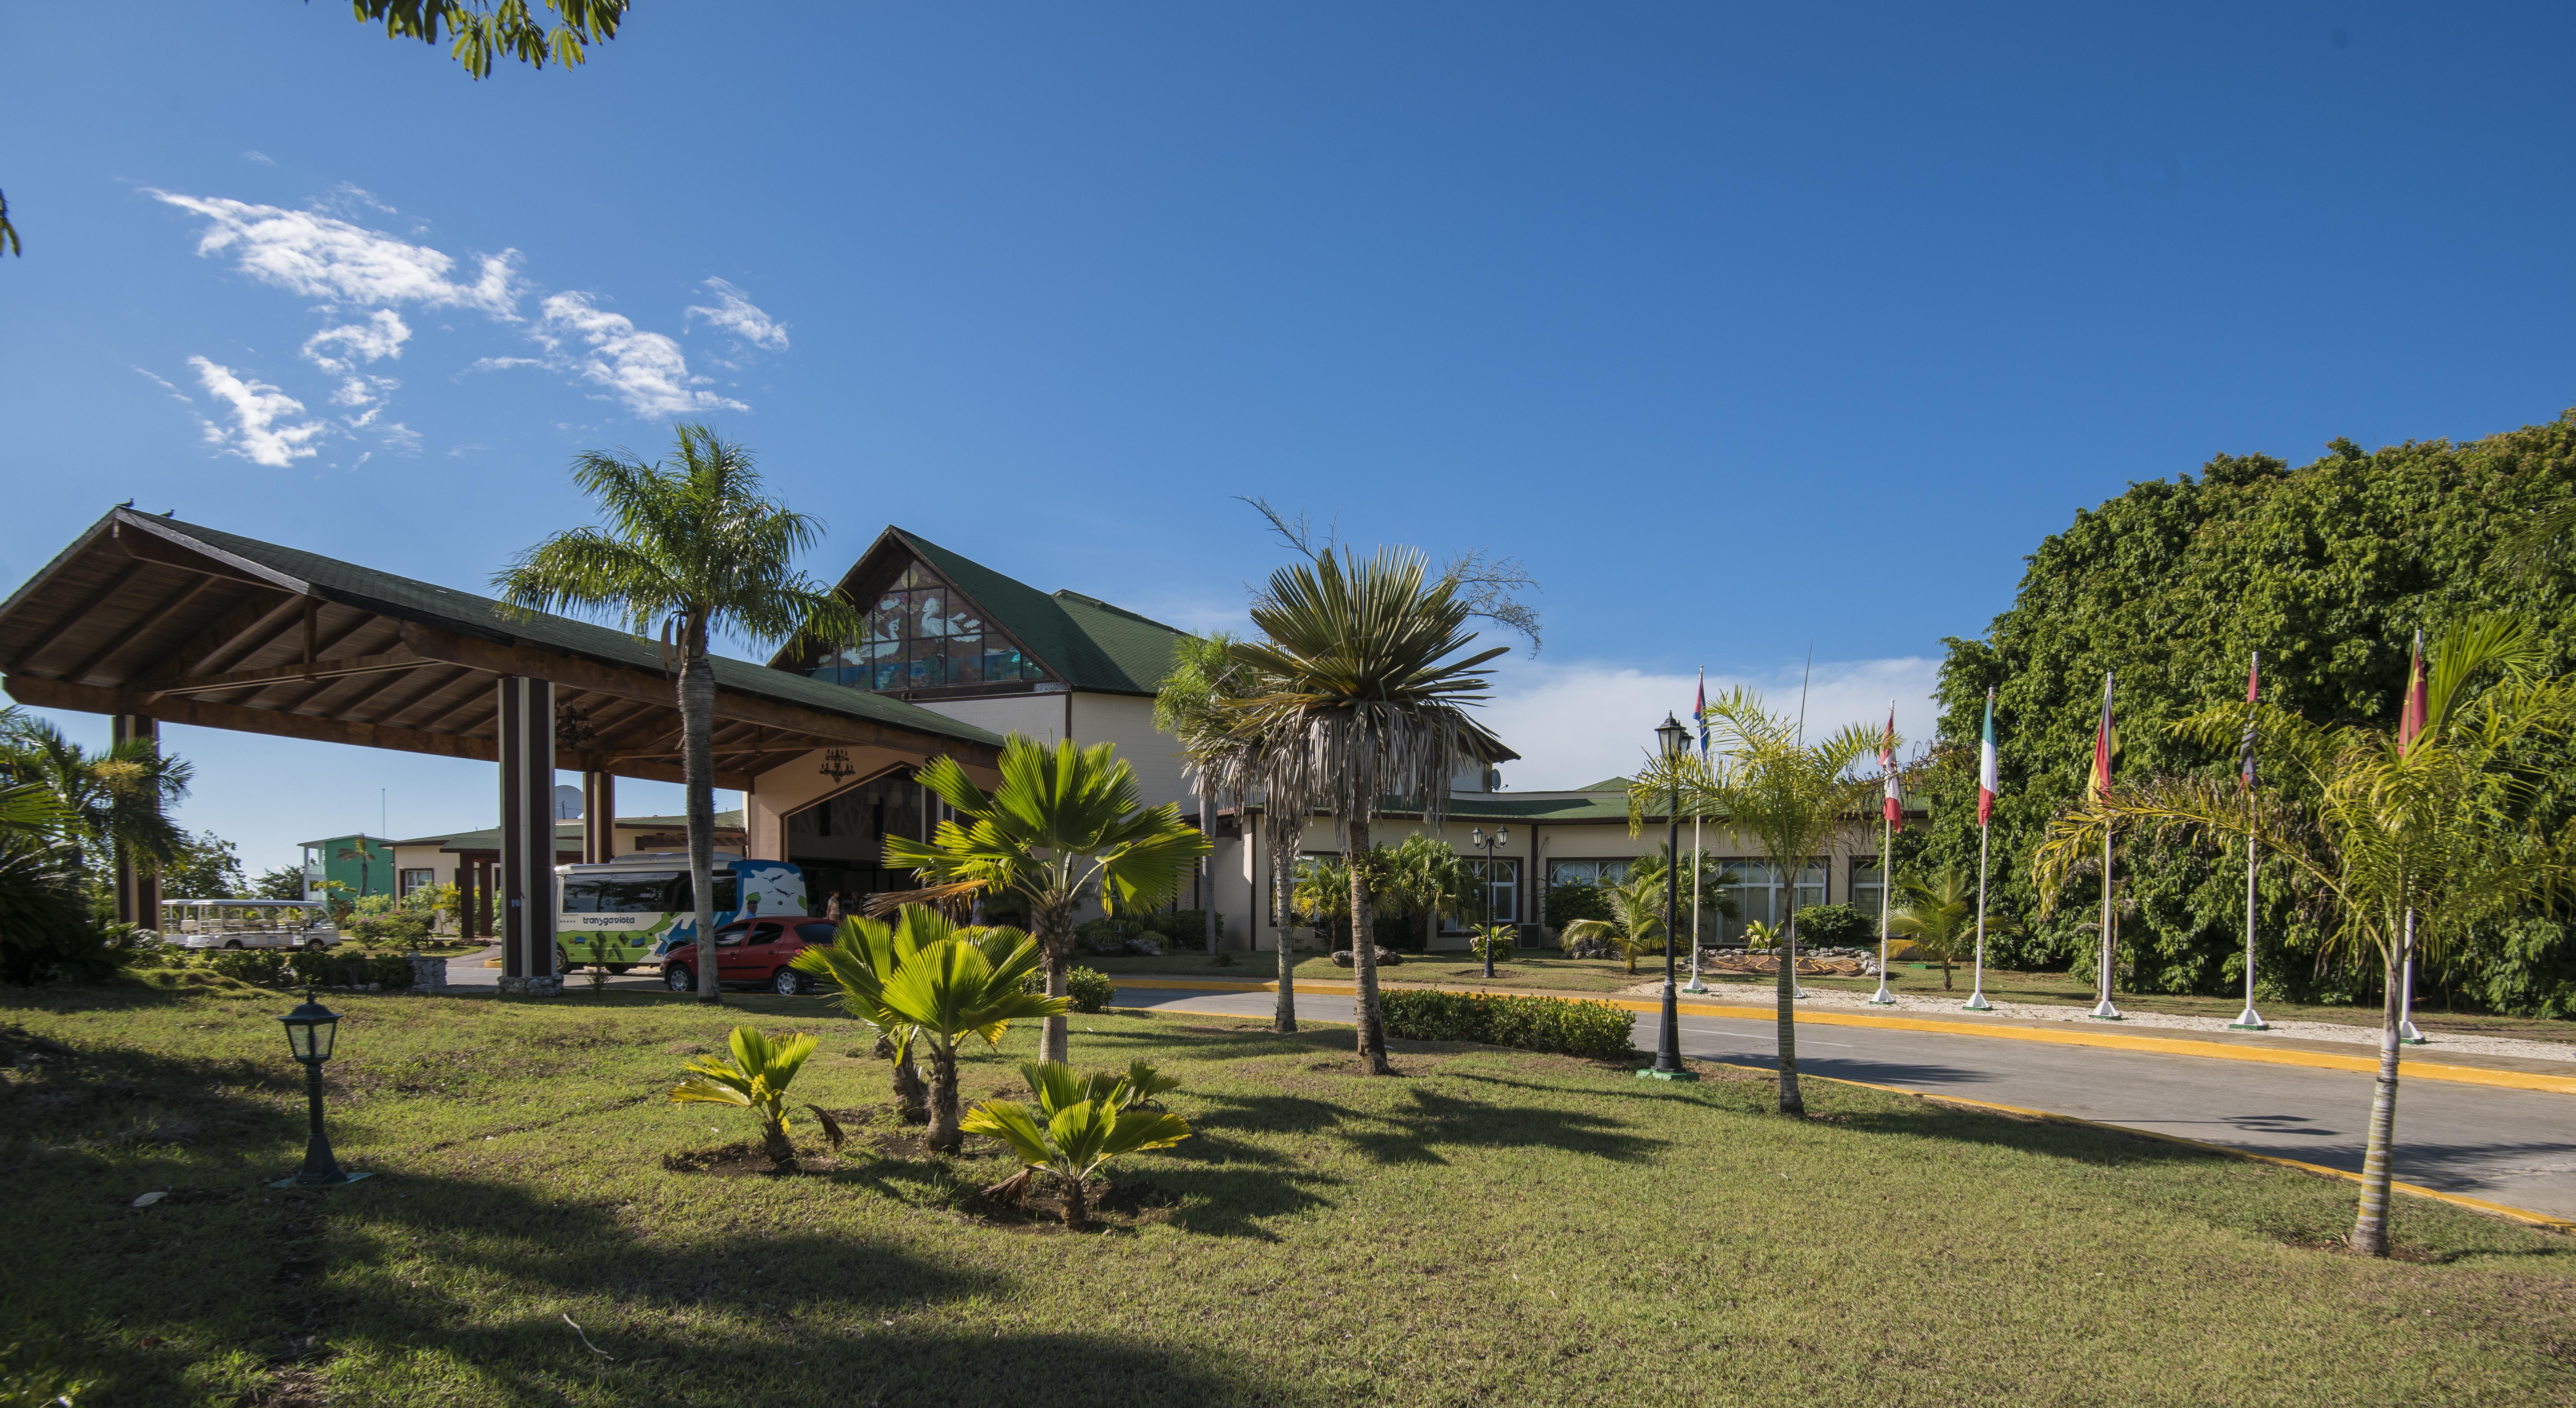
point(1886, 885)
point(2411, 720)
point(1977, 999)
point(2406, 1033)
point(2104, 1010)
point(1699, 716)
point(2249, 1020)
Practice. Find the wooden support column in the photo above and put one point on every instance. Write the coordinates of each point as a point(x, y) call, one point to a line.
point(138, 887)
point(483, 878)
point(598, 817)
point(527, 878)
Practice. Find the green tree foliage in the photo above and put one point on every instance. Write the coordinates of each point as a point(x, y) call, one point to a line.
point(485, 30)
point(284, 883)
point(205, 868)
point(2327, 569)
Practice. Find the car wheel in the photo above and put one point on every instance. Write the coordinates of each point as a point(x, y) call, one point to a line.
point(232, 943)
point(678, 979)
point(621, 968)
point(787, 983)
point(315, 945)
point(564, 963)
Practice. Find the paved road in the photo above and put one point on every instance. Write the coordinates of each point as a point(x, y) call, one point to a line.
point(2505, 1146)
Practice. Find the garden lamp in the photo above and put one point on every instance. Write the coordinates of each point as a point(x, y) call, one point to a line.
point(310, 1031)
point(1476, 837)
point(1673, 741)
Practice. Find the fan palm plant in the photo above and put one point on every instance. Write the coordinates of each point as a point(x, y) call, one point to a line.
point(1065, 828)
point(1363, 695)
point(691, 547)
point(2416, 836)
point(1194, 704)
point(113, 804)
point(1939, 915)
point(1079, 1124)
point(863, 954)
point(1636, 922)
point(756, 1076)
point(1793, 798)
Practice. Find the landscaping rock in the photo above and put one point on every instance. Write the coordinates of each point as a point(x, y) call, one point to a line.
point(1386, 958)
point(428, 972)
point(1144, 948)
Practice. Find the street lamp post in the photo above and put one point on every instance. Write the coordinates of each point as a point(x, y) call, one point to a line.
point(1671, 739)
point(310, 1030)
point(1477, 838)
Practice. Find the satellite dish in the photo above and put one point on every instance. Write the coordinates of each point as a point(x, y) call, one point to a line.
point(567, 802)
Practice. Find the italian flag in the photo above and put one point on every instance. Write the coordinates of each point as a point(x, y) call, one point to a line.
point(1986, 783)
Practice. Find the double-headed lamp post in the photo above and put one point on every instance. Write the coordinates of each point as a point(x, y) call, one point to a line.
point(1672, 742)
point(310, 1030)
point(1477, 838)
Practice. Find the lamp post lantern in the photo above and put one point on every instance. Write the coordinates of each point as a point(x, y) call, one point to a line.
point(1671, 741)
point(310, 1030)
point(1477, 838)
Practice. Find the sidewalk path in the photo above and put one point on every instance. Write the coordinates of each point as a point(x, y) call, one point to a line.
point(2514, 1147)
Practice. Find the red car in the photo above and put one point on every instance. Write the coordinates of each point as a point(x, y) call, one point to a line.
point(755, 953)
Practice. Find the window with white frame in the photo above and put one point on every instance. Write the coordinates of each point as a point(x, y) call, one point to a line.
point(1499, 881)
point(1756, 886)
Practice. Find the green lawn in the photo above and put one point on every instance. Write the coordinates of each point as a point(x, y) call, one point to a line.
point(1491, 1227)
point(1551, 973)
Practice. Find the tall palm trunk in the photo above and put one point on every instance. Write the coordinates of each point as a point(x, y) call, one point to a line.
point(1282, 862)
point(1372, 1035)
point(1786, 1028)
point(2370, 1226)
point(1054, 920)
point(698, 764)
point(944, 1134)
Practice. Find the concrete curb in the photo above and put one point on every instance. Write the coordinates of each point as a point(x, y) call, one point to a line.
point(2078, 1036)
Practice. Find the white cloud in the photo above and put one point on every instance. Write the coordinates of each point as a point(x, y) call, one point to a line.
point(262, 158)
point(495, 364)
point(645, 370)
point(739, 316)
point(260, 432)
point(165, 385)
point(336, 350)
point(401, 439)
point(317, 256)
point(363, 390)
point(1579, 722)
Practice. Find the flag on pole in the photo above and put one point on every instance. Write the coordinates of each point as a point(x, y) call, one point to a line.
point(1893, 808)
point(1986, 784)
point(2101, 780)
point(2245, 750)
point(2419, 701)
point(1699, 711)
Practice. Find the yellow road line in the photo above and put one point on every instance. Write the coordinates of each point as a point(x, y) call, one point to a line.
point(2073, 1036)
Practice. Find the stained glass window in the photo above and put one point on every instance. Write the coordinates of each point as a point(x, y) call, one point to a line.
point(918, 636)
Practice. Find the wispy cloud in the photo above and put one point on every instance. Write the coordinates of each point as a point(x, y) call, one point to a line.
point(262, 158)
point(645, 370)
point(313, 255)
point(263, 429)
point(336, 350)
point(165, 385)
point(1577, 722)
point(738, 315)
point(401, 439)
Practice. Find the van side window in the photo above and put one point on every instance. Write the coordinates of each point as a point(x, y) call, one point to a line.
point(684, 899)
point(580, 895)
point(635, 894)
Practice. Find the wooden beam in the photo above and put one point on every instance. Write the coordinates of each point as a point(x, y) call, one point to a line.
point(247, 627)
point(313, 659)
point(70, 619)
point(140, 629)
point(438, 684)
point(480, 696)
point(154, 543)
point(627, 682)
point(350, 707)
point(399, 658)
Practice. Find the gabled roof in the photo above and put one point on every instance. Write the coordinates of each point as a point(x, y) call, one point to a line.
point(1083, 641)
point(725, 821)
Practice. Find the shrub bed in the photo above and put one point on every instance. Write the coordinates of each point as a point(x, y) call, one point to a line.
point(1562, 1025)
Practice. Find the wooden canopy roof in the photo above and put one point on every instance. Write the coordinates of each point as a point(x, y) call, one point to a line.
point(145, 615)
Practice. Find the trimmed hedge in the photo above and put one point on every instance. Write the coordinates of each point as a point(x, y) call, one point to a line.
point(1090, 989)
point(1563, 1025)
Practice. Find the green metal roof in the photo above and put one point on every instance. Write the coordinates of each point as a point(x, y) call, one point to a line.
point(1086, 642)
point(488, 837)
point(482, 616)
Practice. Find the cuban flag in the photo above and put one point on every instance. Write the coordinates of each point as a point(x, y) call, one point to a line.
point(1699, 712)
point(1893, 807)
point(1986, 772)
point(2100, 781)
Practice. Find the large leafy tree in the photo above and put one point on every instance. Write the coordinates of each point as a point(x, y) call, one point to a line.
point(1363, 696)
point(2327, 569)
point(1792, 798)
point(2416, 837)
point(1066, 827)
point(481, 32)
point(206, 867)
point(691, 546)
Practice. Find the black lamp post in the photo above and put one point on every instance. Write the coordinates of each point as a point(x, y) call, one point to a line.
point(1671, 740)
point(310, 1029)
point(1476, 837)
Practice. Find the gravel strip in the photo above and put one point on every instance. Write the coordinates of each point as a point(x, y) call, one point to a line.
point(2304, 1031)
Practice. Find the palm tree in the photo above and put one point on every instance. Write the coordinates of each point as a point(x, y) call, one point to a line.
point(363, 854)
point(1793, 798)
point(1424, 875)
point(2417, 836)
point(756, 1076)
point(1193, 704)
point(1360, 698)
point(862, 956)
point(962, 981)
point(116, 801)
point(1636, 922)
point(1065, 828)
point(1078, 1126)
point(1939, 915)
point(691, 547)
point(1321, 895)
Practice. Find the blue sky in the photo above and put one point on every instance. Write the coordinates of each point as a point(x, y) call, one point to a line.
point(1747, 330)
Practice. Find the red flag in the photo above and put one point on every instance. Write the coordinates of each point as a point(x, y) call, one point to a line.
point(2102, 741)
point(2419, 700)
point(1893, 807)
point(2245, 750)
